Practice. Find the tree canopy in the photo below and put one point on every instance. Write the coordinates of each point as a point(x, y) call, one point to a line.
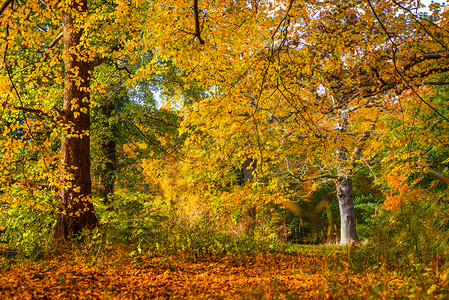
point(293, 94)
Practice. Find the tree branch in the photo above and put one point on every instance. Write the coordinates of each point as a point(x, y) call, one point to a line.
point(436, 83)
point(438, 175)
point(430, 72)
point(324, 176)
point(44, 53)
point(29, 184)
point(422, 25)
point(427, 56)
point(363, 138)
point(122, 69)
point(160, 120)
point(5, 5)
point(98, 61)
point(395, 49)
point(435, 173)
point(55, 41)
point(34, 111)
point(197, 22)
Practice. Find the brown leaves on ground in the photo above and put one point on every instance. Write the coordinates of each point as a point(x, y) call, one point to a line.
point(119, 276)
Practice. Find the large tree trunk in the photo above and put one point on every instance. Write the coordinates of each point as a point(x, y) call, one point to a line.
point(346, 202)
point(75, 206)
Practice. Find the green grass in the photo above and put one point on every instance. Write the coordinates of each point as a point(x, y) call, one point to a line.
point(315, 249)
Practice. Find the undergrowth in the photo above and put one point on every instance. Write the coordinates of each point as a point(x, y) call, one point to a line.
point(411, 243)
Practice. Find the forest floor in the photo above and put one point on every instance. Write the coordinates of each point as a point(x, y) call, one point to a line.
point(118, 274)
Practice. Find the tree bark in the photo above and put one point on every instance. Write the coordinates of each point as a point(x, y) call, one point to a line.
point(75, 206)
point(107, 182)
point(348, 234)
point(249, 165)
point(108, 149)
point(345, 195)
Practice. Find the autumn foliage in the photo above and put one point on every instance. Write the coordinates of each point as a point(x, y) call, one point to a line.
point(203, 141)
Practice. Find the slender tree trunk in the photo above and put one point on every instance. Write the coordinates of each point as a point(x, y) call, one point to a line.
point(108, 149)
point(249, 165)
point(75, 206)
point(107, 182)
point(345, 197)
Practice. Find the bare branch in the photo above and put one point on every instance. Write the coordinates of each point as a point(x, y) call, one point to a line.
point(324, 176)
point(438, 175)
point(55, 41)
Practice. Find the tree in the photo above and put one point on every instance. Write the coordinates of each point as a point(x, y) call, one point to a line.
point(33, 61)
point(417, 163)
point(105, 137)
point(75, 207)
point(321, 74)
point(355, 71)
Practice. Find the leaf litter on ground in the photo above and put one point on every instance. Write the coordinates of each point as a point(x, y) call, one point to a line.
point(119, 275)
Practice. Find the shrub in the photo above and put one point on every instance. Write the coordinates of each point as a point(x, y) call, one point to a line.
point(27, 223)
point(133, 219)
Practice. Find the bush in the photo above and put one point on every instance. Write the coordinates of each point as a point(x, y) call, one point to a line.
point(27, 225)
point(133, 219)
point(413, 237)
